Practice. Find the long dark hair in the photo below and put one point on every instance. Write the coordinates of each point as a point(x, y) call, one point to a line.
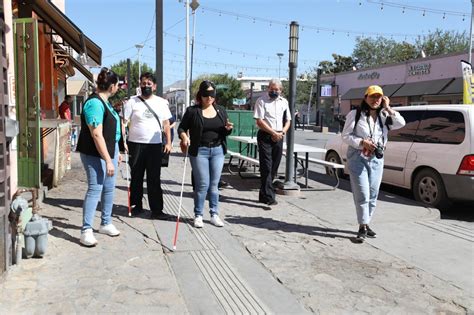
point(106, 78)
point(203, 87)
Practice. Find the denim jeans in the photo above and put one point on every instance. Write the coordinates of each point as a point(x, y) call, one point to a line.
point(207, 169)
point(365, 176)
point(99, 186)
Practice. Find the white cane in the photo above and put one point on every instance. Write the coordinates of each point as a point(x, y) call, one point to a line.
point(180, 200)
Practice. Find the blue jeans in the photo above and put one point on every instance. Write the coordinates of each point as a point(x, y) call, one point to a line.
point(207, 169)
point(99, 186)
point(365, 176)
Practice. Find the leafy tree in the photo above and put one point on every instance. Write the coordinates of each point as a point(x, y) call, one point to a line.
point(441, 42)
point(227, 88)
point(303, 89)
point(121, 69)
point(340, 64)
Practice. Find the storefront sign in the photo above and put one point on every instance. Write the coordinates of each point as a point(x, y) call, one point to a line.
point(368, 75)
point(419, 69)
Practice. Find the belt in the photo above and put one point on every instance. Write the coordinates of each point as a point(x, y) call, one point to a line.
point(211, 144)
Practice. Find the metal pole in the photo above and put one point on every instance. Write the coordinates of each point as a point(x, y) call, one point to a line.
point(186, 56)
point(290, 183)
point(472, 27)
point(318, 89)
point(279, 64)
point(139, 47)
point(159, 47)
point(129, 82)
point(309, 104)
point(192, 54)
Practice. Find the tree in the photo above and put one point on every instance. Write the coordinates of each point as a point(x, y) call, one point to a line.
point(227, 88)
point(121, 69)
point(442, 42)
point(340, 64)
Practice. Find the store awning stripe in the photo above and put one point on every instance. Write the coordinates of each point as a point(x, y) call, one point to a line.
point(65, 28)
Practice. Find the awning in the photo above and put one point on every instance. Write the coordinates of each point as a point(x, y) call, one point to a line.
point(75, 87)
point(354, 93)
point(82, 69)
point(390, 89)
point(432, 87)
point(65, 28)
point(455, 87)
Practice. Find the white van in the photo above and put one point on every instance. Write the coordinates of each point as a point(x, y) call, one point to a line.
point(433, 155)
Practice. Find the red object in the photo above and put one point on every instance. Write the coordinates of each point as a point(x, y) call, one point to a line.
point(467, 166)
point(65, 111)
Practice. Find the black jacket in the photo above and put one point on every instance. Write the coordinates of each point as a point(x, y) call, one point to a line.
point(193, 122)
point(86, 144)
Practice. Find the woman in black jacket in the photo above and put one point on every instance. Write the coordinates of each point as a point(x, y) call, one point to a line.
point(203, 131)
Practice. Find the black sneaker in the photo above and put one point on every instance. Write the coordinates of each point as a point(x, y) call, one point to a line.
point(272, 203)
point(361, 234)
point(137, 211)
point(161, 216)
point(371, 233)
point(222, 184)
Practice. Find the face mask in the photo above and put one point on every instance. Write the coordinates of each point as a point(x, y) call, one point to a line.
point(146, 91)
point(273, 94)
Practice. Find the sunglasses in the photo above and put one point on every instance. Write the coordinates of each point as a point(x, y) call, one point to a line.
point(209, 93)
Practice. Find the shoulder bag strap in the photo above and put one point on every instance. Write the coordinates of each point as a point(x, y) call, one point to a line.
point(152, 111)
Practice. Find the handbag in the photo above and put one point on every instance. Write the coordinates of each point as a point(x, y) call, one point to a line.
point(165, 157)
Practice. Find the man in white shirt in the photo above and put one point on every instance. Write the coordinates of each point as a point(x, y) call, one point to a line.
point(148, 116)
point(273, 118)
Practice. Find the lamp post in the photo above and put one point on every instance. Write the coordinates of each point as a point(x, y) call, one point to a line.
point(279, 64)
point(290, 186)
point(194, 5)
point(139, 47)
point(472, 28)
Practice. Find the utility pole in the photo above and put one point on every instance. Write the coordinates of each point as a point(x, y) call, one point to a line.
point(139, 47)
point(471, 38)
point(159, 47)
point(279, 64)
point(194, 5)
point(186, 63)
point(318, 89)
point(129, 81)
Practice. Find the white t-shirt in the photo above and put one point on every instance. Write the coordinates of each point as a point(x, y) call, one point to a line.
point(144, 127)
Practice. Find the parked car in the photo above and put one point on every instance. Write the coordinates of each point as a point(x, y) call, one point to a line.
point(433, 155)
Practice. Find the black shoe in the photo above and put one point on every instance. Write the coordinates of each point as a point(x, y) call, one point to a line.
point(371, 233)
point(272, 203)
point(223, 184)
point(361, 234)
point(161, 216)
point(137, 211)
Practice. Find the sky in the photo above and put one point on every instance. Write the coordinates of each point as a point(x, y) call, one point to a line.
point(245, 36)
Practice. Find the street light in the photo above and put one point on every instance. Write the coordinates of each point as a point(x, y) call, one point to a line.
point(194, 5)
point(139, 46)
point(279, 65)
point(290, 186)
point(472, 28)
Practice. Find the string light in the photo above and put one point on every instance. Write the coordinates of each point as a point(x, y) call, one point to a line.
point(425, 10)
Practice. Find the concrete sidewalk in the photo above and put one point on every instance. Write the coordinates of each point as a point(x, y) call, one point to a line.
point(294, 258)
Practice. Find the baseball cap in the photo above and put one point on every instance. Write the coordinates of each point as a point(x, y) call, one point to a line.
point(373, 89)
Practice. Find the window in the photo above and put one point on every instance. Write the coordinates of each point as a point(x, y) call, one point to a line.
point(440, 126)
point(407, 133)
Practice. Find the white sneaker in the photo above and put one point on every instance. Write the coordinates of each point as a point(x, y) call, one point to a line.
point(109, 229)
point(216, 221)
point(87, 238)
point(198, 222)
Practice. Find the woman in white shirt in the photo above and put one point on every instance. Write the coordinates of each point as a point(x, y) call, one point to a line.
point(365, 131)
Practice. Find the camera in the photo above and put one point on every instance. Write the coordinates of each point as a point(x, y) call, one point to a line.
point(379, 151)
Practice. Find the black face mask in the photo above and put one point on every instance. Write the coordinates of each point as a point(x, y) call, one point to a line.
point(146, 90)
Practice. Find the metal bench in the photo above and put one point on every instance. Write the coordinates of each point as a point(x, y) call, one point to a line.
point(242, 159)
point(326, 164)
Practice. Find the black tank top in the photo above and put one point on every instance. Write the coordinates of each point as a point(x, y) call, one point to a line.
point(210, 130)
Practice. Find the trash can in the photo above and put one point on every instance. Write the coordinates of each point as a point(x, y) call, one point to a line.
point(36, 236)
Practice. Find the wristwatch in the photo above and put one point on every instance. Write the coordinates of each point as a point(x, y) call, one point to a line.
point(283, 133)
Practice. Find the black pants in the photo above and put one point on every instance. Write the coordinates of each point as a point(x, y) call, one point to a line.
point(146, 157)
point(270, 156)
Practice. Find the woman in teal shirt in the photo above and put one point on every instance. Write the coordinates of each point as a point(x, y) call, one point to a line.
point(98, 145)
